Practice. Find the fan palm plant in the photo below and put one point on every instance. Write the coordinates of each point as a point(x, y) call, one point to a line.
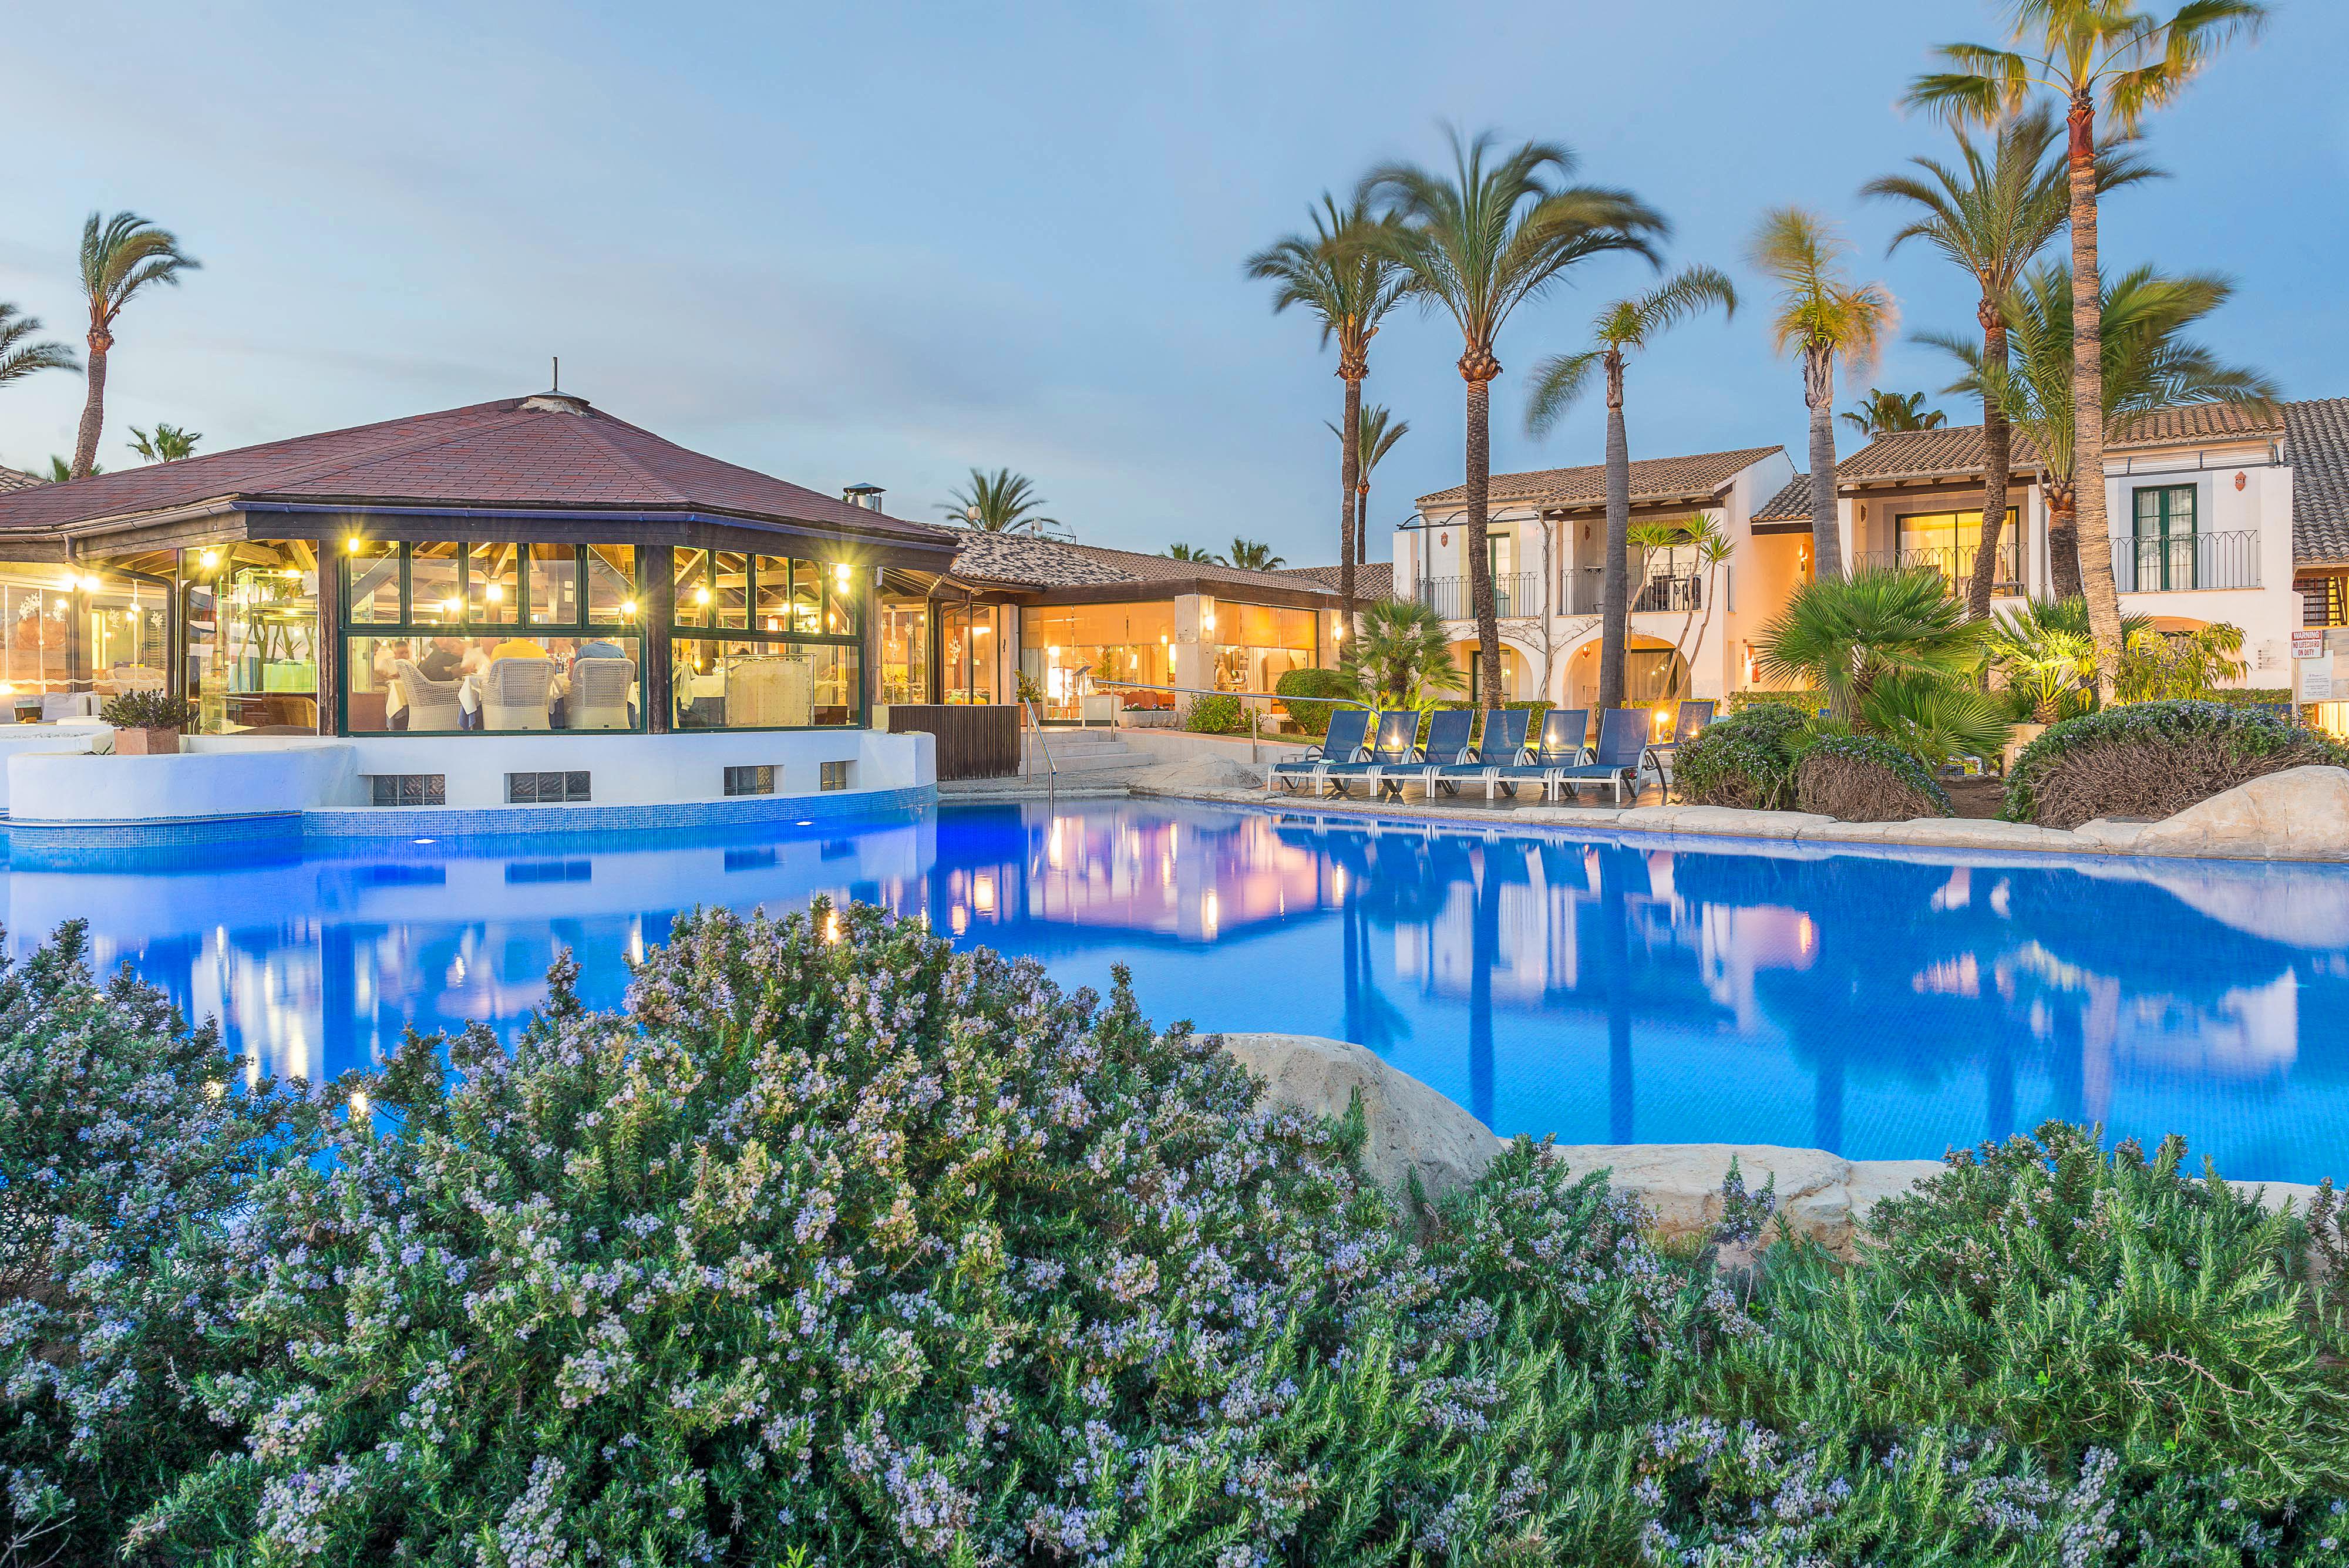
point(1844, 635)
point(1251, 555)
point(19, 357)
point(120, 257)
point(1992, 215)
point(1932, 718)
point(1623, 328)
point(164, 443)
point(1477, 240)
point(999, 502)
point(2082, 51)
point(1350, 283)
point(2146, 365)
point(2043, 651)
point(1824, 317)
point(1402, 654)
point(1380, 430)
point(1890, 413)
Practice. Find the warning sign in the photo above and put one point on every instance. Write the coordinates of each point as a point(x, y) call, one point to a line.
point(2309, 643)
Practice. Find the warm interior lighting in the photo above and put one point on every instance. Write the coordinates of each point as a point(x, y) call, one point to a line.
point(774, 624)
point(701, 596)
point(629, 609)
point(449, 607)
point(89, 584)
point(494, 592)
point(840, 574)
point(211, 559)
point(352, 545)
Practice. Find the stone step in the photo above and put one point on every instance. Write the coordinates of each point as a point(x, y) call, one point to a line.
point(1084, 759)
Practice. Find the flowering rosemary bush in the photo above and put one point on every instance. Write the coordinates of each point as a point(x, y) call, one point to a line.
point(839, 1247)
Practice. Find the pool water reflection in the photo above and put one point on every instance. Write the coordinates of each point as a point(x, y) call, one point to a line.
point(1882, 1005)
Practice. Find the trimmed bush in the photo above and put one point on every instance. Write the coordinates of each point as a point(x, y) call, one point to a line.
point(1312, 718)
point(1861, 778)
point(147, 711)
point(2152, 760)
point(1806, 702)
point(1217, 715)
point(1745, 759)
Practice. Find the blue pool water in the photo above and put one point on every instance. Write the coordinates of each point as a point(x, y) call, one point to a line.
point(1882, 1004)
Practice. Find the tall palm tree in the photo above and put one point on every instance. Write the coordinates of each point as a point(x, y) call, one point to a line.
point(2144, 365)
point(1626, 326)
point(999, 502)
point(1825, 316)
point(1189, 553)
point(164, 443)
point(1891, 413)
point(1349, 284)
point(59, 470)
point(1249, 555)
point(1378, 431)
point(19, 359)
point(1477, 240)
point(120, 256)
point(1993, 215)
point(2084, 50)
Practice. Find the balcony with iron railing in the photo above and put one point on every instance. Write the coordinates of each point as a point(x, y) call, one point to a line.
point(1513, 593)
point(1955, 563)
point(1669, 593)
point(2187, 561)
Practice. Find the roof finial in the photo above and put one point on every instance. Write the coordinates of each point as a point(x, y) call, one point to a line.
point(558, 372)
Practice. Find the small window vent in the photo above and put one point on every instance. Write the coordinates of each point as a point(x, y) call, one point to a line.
point(750, 780)
point(835, 776)
point(408, 789)
point(545, 789)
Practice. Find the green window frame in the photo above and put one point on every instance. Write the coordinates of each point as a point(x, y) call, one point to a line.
point(2163, 533)
point(835, 603)
point(519, 624)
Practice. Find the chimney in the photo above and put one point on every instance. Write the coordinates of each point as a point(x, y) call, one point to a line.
point(866, 495)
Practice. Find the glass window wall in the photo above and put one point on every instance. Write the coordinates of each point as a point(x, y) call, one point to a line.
point(766, 642)
point(252, 612)
point(905, 650)
point(70, 628)
point(1069, 650)
point(967, 652)
point(1255, 645)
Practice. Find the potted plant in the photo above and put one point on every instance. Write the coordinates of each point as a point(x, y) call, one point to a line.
point(146, 723)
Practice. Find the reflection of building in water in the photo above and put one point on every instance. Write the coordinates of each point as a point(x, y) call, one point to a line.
point(1194, 878)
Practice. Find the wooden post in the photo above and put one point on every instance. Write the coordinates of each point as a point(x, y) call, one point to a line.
point(657, 567)
point(868, 658)
point(329, 641)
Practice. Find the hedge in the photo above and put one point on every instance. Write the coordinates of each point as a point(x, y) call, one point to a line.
point(841, 1246)
point(1312, 718)
point(2152, 760)
point(1220, 715)
point(1863, 778)
point(1745, 759)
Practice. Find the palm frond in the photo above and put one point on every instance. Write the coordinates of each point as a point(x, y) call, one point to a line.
point(18, 358)
point(999, 502)
point(1558, 382)
point(123, 255)
point(1818, 306)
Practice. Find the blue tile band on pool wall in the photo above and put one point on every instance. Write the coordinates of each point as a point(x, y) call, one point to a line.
point(1605, 988)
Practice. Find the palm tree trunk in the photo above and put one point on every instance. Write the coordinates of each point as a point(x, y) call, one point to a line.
point(2091, 530)
point(1351, 471)
point(1363, 520)
point(1614, 583)
point(1997, 450)
point(1480, 562)
point(2063, 545)
point(1818, 391)
point(93, 407)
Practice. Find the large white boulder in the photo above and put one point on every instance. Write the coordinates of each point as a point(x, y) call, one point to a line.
point(1823, 1196)
point(1412, 1128)
point(2300, 813)
point(1197, 774)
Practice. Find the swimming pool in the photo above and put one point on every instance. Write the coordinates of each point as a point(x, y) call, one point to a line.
point(1881, 1003)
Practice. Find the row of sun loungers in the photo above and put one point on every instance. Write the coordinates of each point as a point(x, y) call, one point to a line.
point(1559, 760)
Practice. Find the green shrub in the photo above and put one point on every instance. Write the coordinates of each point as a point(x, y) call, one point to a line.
point(147, 711)
point(1745, 759)
point(1220, 715)
point(2152, 760)
point(1807, 702)
point(1864, 778)
point(2260, 695)
point(1312, 718)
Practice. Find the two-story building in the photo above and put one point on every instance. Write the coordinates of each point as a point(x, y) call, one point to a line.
point(2218, 513)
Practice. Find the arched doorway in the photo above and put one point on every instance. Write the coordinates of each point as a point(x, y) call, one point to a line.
point(1516, 675)
point(1653, 671)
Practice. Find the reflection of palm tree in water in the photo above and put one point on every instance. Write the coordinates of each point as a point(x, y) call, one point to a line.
point(1615, 937)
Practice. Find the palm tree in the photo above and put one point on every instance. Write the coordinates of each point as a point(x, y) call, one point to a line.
point(120, 256)
point(1713, 548)
point(1993, 216)
point(164, 443)
point(2146, 366)
point(2081, 50)
point(1402, 654)
point(2044, 650)
point(1479, 241)
point(1847, 635)
point(1827, 317)
point(1189, 553)
point(1349, 282)
point(1249, 555)
point(999, 502)
point(1380, 430)
point(60, 471)
point(19, 359)
point(1890, 413)
point(1623, 326)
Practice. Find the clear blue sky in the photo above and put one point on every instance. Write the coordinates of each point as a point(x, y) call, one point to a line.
point(886, 243)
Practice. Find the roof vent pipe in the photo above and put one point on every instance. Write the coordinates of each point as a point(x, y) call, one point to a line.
point(866, 495)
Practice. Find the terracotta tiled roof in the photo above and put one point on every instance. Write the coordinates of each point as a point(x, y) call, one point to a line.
point(1950, 451)
point(1022, 561)
point(1792, 504)
point(2198, 421)
point(2316, 444)
point(12, 480)
point(1653, 480)
point(516, 451)
point(1373, 579)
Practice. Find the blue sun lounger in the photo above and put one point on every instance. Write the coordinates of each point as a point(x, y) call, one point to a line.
point(1349, 728)
point(1560, 747)
point(1396, 745)
point(1687, 723)
point(1447, 745)
point(1504, 744)
point(1622, 742)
